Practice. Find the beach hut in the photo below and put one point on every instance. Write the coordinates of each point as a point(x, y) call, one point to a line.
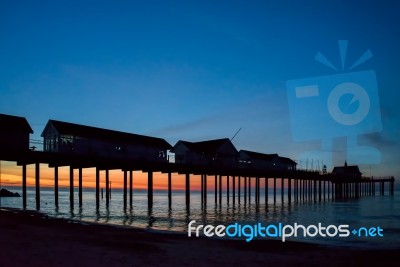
point(347, 171)
point(261, 161)
point(218, 152)
point(64, 137)
point(14, 133)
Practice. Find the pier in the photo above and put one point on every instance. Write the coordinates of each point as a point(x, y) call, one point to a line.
point(78, 147)
point(296, 186)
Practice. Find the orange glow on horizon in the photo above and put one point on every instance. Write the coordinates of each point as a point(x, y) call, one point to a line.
point(11, 175)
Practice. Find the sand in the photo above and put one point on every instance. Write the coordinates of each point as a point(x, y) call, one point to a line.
point(33, 239)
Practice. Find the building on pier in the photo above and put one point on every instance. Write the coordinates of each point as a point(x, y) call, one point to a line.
point(352, 172)
point(287, 164)
point(219, 152)
point(14, 133)
point(261, 161)
point(64, 137)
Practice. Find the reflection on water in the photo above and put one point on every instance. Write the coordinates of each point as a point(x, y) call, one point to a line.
point(383, 211)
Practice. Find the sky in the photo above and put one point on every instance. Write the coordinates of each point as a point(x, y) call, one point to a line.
point(200, 70)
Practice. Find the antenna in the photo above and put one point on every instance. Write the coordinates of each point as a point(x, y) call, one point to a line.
point(236, 133)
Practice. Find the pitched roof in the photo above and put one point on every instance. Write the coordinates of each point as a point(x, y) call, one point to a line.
point(346, 170)
point(262, 156)
point(257, 155)
point(206, 147)
point(105, 134)
point(287, 160)
point(15, 123)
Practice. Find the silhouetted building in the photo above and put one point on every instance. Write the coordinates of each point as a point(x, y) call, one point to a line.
point(256, 160)
point(219, 152)
point(287, 164)
point(347, 171)
point(14, 133)
point(261, 161)
point(72, 138)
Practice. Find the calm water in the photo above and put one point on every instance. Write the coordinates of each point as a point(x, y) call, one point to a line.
point(383, 211)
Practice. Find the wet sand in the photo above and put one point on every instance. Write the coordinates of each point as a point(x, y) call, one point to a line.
point(32, 239)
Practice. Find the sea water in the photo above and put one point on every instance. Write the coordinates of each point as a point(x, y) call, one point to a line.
point(368, 211)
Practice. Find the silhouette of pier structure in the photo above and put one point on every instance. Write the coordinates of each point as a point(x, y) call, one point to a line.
point(79, 147)
point(295, 186)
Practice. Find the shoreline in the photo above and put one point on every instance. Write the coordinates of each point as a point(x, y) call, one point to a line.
point(35, 239)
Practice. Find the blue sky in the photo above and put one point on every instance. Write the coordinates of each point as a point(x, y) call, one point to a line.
point(195, 70)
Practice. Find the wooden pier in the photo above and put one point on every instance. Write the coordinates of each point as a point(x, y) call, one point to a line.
point(296, 185)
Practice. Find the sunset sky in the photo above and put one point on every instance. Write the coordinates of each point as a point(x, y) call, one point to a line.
point(187, 70)
point(11, 176)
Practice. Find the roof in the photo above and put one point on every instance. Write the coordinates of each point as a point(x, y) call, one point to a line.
point(287, 160)
point(15, 123)
point(346, 170)
point(105, 134)
point(262, 156)
point(206, 147)
point(257, 155)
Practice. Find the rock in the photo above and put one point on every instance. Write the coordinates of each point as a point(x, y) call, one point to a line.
point(5, 193)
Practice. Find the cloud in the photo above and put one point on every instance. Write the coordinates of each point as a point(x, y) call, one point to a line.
point(379, 140)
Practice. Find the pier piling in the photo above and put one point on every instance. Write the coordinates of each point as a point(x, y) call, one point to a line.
point(71, 187)
point(266, 190)
point(249, 189)
point(125, 188)
point(56, 186)
point(239, 189)
point(130, 188)
point(227, 188)
point(245, 190)
point(216, 188)
point(233, 189)
point(205, 188)
point(80, 186)
point(150, 190)
point(37, 184)
point(169, 190)
point(24, 186)
point(107, 188)
point(97, 188)
point(187, 184)
point(220, 189)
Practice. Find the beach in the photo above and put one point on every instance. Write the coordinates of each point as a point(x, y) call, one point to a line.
point(30, 238)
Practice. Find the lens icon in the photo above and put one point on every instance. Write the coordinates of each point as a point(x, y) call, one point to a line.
point(358, 95)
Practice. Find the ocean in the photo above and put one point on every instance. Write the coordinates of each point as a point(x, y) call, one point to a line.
point(368, 211)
